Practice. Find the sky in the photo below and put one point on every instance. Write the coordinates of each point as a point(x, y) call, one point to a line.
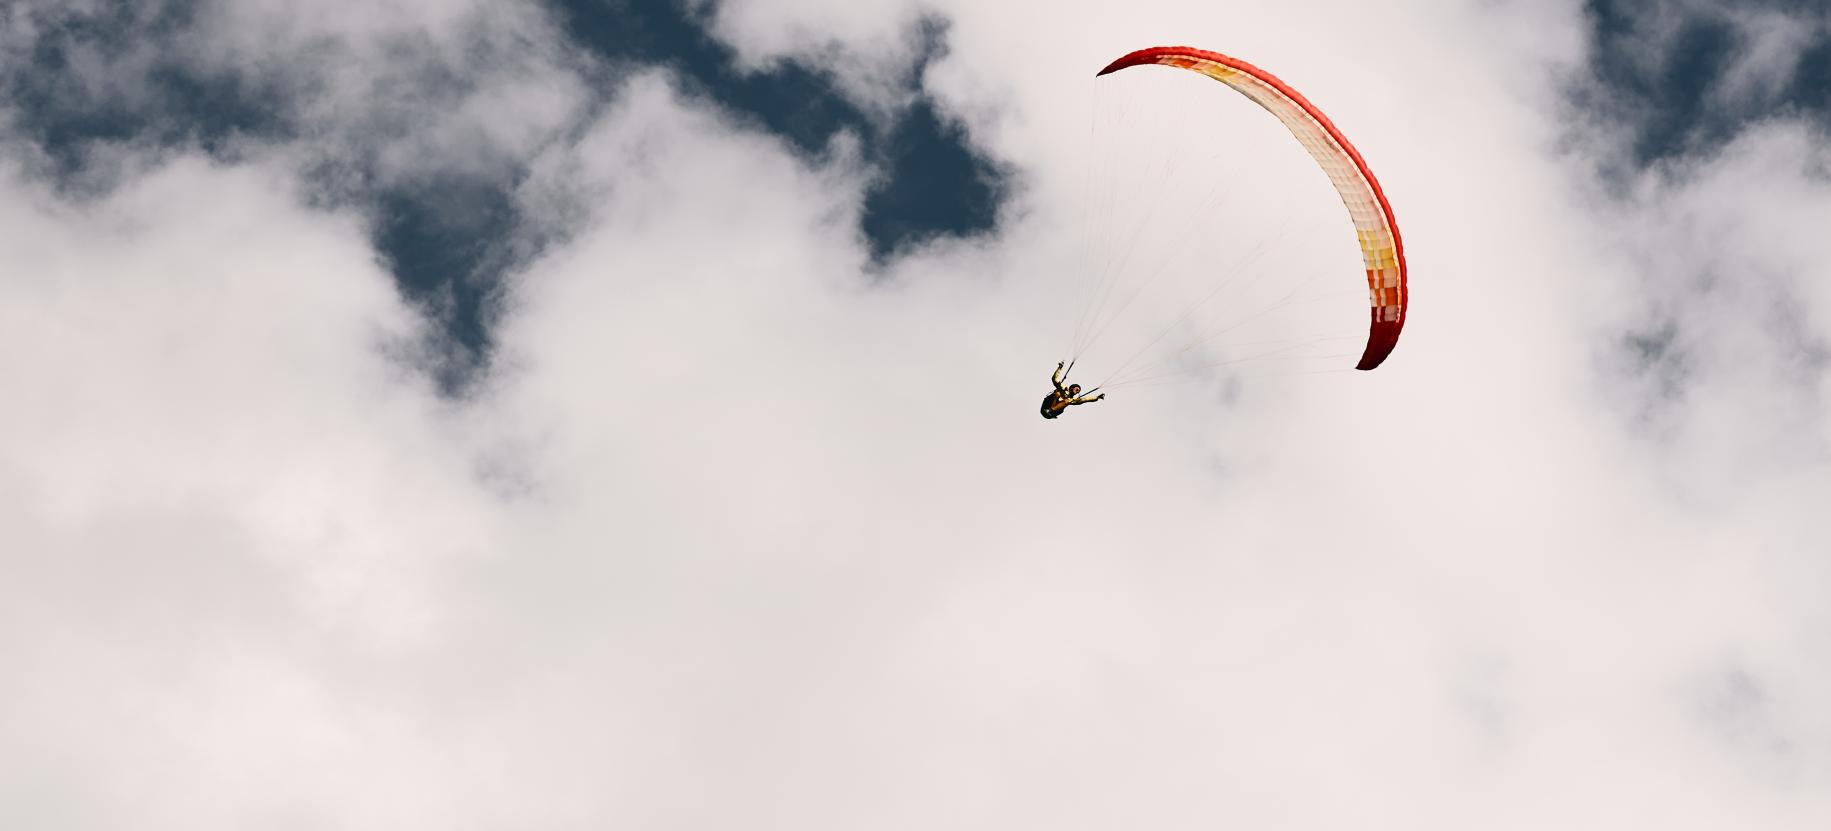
point(579, 414)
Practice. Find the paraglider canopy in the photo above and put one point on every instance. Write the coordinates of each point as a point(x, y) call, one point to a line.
point(1382, 250)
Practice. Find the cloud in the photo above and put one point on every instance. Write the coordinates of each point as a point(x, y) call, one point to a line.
point(1713, 341)
point(1725, 352)
point(219, 467)
point(742, 529)
point(431, 116)
point(423, 114)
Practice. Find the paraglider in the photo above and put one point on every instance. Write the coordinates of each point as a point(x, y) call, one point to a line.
point(1371, 215)
point(1063, 397)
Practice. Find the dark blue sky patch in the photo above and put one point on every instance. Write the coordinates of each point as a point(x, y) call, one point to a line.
point(933, 181)
point(933, 186)
point(442, 239)
point(173, 105)
point(1811, 87)
point(791, 101)
point(1655, 65)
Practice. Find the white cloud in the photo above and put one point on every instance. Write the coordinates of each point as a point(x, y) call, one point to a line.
point(738, 536)
point(221, 492)
point(1731, 291)
point(398, 88)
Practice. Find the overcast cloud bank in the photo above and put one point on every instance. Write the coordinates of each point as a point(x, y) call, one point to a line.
point(747, 525)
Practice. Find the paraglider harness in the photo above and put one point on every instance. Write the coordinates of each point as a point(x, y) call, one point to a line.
point(1063, 397)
